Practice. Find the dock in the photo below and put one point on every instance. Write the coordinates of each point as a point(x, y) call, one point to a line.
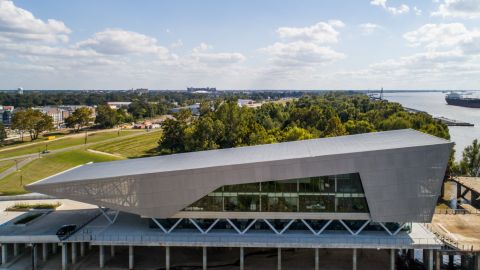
point(454, 123)
point(447, 121)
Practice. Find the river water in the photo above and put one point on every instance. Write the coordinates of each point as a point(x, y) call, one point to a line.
point(434, 104)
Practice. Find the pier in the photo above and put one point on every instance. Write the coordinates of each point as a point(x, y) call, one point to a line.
point(447, 121)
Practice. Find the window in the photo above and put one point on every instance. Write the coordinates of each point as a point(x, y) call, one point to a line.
point(335, 193)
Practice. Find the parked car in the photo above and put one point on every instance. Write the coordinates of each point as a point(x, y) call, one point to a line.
point(66, 230)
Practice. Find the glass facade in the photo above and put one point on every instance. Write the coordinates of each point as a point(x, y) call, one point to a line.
point(336, 193)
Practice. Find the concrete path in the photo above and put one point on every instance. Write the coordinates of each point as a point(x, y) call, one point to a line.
point(14, 167)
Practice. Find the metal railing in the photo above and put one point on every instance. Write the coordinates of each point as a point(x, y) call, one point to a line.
point(450, 241)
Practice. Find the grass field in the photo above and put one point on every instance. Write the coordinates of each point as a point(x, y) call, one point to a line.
point(133, 147)
point(63, 143)
point(4, 165)
point(47, 166)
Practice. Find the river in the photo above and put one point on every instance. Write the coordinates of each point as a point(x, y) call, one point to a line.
point(434, 104)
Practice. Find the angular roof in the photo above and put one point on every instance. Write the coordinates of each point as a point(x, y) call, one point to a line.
point(249, 154)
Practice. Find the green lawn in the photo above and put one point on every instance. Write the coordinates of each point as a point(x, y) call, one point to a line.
point(133, 147)
point(65, 142)
point(4, 165)
point(47, 166)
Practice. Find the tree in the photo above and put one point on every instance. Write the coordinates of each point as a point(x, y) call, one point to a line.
point(106, 117)
point(32, 121)
point(357, 127)
point(3, 134)
point(80, 118)
point(296, 134)
point(470, 164)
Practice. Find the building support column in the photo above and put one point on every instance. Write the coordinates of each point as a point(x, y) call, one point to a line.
point(44, 252)
point(112, 251)
point(15, 249)
point(438, 260)
point(241, 259)
point(101, 256)
point(354, 259)
point(450, 261)
point(54, 248)
point(204, 249)
point(82, 249)
point(279, 259)
point(34, 256)
point(463, 261)
point(317, 259)
point(476, 261)
point(4, 253)
point(64, 256)
point(392, 259)
point(167, 258)
point(430, 259)
point(74, 253)
point(130, 257)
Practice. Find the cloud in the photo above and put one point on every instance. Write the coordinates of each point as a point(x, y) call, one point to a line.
point(369, 28)
point(122, 42)
point(202, 55)
point(402, 9)
point(417, 11)
point(17, 24)
point(465, 9)
point(177, 44)
point(445, 36)
point(301, 53)
point(322, 32)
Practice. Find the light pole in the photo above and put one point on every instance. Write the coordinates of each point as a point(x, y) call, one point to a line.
point(86, 137)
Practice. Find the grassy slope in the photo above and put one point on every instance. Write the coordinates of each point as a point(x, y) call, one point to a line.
point(63, 143)
point(139, 146)
point(4, 165)
point(47, 166)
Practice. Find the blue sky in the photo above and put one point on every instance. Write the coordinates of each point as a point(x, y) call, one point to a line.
point(356, 44)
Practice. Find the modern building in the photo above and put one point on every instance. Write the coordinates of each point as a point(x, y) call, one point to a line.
point(6, 113)
point(119, 104)
point(368, 191)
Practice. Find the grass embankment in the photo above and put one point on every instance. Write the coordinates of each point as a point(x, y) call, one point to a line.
point(134, 147)
point(46, 166)
point(6, 164)
point(25, 207)
point(69, 141)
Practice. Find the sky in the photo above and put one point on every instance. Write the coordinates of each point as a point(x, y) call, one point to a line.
point(240, 44)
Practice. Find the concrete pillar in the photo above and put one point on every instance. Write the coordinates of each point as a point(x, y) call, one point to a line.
point(101, 256)
point(459, 191)
point(167, 258)
point(317, 260)
point(476, 261)
point(279, 259)
point(130, 257)
point(16, 249)
point(4, 253)
point(34, 256)
point(82, 249)
point(64, 256)
point(438, 260)
point(392, 259)
point(204, 249)
point(112, 251)
point(354, 259)
point(74, 253)
point(54, 248)
point(241, 259)
point(430, 259)
point(44, 252)
point(463, 261)
point(450, 261)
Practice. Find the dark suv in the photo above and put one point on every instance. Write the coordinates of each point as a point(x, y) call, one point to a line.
point(66, 230)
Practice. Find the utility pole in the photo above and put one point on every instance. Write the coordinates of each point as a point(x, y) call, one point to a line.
point(86, 137)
